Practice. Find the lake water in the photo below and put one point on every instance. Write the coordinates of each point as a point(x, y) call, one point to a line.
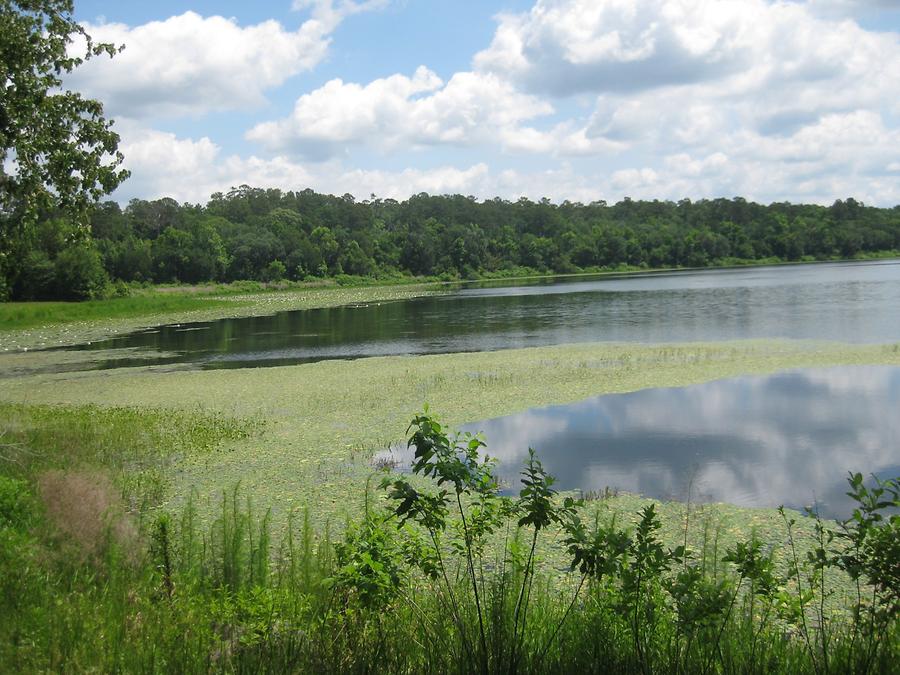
point(788, 438)
point(850, 302)
point(756, 441)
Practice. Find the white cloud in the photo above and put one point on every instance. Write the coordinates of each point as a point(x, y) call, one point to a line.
point(669, 99)
point(563, 47)
point(809, 166)
point(566, 46)
point(399, 112)
point(801, 105)
point(185, 169)
point(191, 65)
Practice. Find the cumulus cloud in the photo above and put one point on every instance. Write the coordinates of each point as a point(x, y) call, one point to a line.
point(563, 47)
point(401, 112)
point(808, 166)
point(610, 98)
point(770, 100)
point(164, 165)
point(191, 65)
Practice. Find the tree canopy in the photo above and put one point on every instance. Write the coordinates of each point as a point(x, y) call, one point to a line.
point(61, 150)
point(268, 235)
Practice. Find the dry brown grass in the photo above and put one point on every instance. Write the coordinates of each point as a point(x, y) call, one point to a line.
point(87, 512)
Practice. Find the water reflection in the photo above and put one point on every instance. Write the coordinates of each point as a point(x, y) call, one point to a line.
point(788, 438)
point(852, 302)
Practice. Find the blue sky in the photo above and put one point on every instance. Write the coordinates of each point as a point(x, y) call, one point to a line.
point(568, 99)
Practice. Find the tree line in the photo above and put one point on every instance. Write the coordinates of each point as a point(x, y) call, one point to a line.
point(272, 235)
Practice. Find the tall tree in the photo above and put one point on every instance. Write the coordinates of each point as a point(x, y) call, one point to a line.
point(62, 151)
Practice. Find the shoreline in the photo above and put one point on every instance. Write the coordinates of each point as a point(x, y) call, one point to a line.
point(253, 301)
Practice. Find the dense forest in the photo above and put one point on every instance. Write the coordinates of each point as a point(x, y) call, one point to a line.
point(271, 235)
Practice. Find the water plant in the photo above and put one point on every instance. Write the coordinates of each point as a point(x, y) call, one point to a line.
point(441, 573)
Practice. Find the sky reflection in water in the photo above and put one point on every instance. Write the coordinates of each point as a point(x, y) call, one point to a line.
point(788, 438)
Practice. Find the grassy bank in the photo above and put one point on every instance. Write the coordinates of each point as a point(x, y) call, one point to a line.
point(96, 576)
point(35, 325)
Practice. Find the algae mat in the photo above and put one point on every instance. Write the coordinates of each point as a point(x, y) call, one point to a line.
point(323, 421)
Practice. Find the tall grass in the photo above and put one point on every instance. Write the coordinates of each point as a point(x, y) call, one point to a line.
point(22, 315)
point(438, 593)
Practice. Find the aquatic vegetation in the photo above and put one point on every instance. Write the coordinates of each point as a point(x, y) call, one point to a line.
point(442, 575)
point(324, 421)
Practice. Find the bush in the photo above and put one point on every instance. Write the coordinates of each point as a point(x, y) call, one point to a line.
point(37, 278)
point(79, 274)
point(274, 271)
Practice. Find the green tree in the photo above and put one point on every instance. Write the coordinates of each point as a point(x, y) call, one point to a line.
point(79, 273)
point(170, 254)
point(62, 150)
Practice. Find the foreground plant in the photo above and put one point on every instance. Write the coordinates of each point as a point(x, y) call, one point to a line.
point(443, 574)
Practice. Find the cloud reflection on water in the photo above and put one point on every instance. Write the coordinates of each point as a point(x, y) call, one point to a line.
point(788, 438)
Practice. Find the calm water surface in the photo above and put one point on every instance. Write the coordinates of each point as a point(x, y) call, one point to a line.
point(850, 302)
point(788, 438)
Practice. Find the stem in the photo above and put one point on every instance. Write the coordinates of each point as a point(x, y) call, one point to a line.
point(425, 620)
point(724, 623)
point(856, 618)
point(519, 601)
point(822, 628)
point(872, 649)
point(474, 580)
point(453, 607)
point(802, 604)
point(757, 632)
point(636, 622)
point(543, 651)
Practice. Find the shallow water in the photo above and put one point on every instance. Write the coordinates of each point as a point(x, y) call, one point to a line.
point(850, 302)
point(788, 438)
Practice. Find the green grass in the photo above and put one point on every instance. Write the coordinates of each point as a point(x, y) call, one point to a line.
point(34, 325)
point(21, 315)
point(183, 595)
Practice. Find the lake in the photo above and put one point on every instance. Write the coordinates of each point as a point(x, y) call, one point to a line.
point(850, 302)
point(788, 438)
point(757, 441)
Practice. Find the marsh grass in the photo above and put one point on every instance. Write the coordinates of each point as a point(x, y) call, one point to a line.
point(80, 455)
point(230, 596)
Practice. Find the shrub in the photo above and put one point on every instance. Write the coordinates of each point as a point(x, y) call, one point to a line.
point(79, 274)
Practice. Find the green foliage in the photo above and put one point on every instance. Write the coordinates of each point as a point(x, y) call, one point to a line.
point(15, 503)
point(369, 567)
point(64, 153)
point(388, 596)
point(242, 235)
point(79, 274)
point(275, 271)
point(37, 280)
